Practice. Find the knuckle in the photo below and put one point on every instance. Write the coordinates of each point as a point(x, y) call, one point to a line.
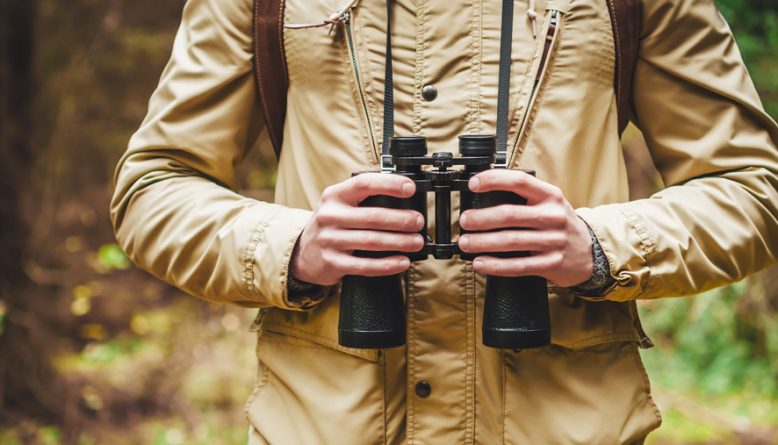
point(555, 217)
point(557, 260)
point(326, 238)
point(360, 183)
point(326, 215)
point(358, 267)
point(514, 238)
point(373, 217)
point(515, 267)
point(557, 239)
point(368, 239)
point(387, 267)
point(327, 194)
point(329, 258)
point(409, 223)
point(556, 194)
point(507, 213)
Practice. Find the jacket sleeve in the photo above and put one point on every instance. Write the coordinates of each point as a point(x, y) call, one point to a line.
point(174, 209)
point(715, 147)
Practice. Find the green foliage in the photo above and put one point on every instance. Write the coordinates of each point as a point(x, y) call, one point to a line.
point(715, 365)
point(755, 25)
point(111, 257)
point(718, 348)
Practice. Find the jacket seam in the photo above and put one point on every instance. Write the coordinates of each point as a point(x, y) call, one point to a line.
point(419, 68)
point(515, 114)
point(262, 382)
point(476, 53)
point(248, 258)
point(307, 301)
point(470, 370)
point(503, 415)
point(533, 105)
point(319, 340)
point(646, 384)
point(646, 244)
point(385, 379)
point(363, 64)
point(409, 360)
point(597, 340)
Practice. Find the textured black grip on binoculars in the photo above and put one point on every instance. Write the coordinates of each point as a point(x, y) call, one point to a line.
point(372, 311)
point(516, 314)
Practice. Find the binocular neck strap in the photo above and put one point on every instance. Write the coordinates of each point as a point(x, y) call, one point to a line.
point(503, 88)
point(504, 84)
point(386, 158)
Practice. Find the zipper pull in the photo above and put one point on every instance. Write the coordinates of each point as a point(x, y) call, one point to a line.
point(343, 17)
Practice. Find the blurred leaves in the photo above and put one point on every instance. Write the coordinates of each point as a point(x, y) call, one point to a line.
point(755, 26)
point(112, 257)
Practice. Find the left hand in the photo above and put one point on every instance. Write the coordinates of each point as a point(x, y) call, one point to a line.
point(558, 239)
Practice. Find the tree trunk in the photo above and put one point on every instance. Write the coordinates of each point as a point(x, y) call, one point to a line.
point(28, 383)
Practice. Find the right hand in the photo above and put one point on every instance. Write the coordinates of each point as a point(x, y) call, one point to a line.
point(339, 226)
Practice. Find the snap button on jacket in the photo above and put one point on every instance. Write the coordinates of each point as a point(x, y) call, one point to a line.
point(177, 215)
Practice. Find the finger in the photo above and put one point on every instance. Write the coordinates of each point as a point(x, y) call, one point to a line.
point(373, 218)
point(537, 265)
point(503, 216)
point(371, 267)
point(512, 241)
point(516, 181)
point(356, 189)
point(375, 240)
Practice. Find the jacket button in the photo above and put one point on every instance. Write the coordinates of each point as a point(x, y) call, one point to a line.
point(423, 389)
point(429, 92)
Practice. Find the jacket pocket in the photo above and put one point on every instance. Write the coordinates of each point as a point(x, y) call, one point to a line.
point(309, 393)
point(536, 80)
point(579, 324)
point(594, 395)
point(318, 326)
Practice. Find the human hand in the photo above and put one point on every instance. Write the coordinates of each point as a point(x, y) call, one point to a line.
point(558, 239)
point(339, 226)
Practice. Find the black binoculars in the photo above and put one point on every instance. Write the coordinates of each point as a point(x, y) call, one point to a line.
point(372, 310)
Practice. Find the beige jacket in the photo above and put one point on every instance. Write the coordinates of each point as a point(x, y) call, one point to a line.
point(177, 215)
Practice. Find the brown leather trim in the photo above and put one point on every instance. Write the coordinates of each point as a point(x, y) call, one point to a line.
point(270, 68)
point(625, 20)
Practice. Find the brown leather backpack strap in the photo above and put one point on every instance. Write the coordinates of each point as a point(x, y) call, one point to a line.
point(270, 68)
point(625, 21)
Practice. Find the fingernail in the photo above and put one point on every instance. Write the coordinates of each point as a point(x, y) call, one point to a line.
point(420, 221)
point(478, 262)
point(464, 243)
point(407, 189)
point(463, 219)
point(474, 183)
point(404, 262)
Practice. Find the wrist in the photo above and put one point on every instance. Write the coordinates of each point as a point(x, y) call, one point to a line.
point(601, 279)
point(299, 291)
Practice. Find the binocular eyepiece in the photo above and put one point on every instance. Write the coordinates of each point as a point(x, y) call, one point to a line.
point(372, 311)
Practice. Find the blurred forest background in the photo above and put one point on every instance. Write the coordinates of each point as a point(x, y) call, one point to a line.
point(93, 351)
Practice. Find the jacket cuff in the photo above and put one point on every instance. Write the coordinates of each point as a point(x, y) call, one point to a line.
point(268, 254)
point(627, 245)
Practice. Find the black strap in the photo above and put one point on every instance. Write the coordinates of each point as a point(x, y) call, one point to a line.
point(504, 83)
point(386, 159)
point(503, 87)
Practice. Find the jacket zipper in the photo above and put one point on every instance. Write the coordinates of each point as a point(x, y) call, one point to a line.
point(346, 20)
point(547, 44)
